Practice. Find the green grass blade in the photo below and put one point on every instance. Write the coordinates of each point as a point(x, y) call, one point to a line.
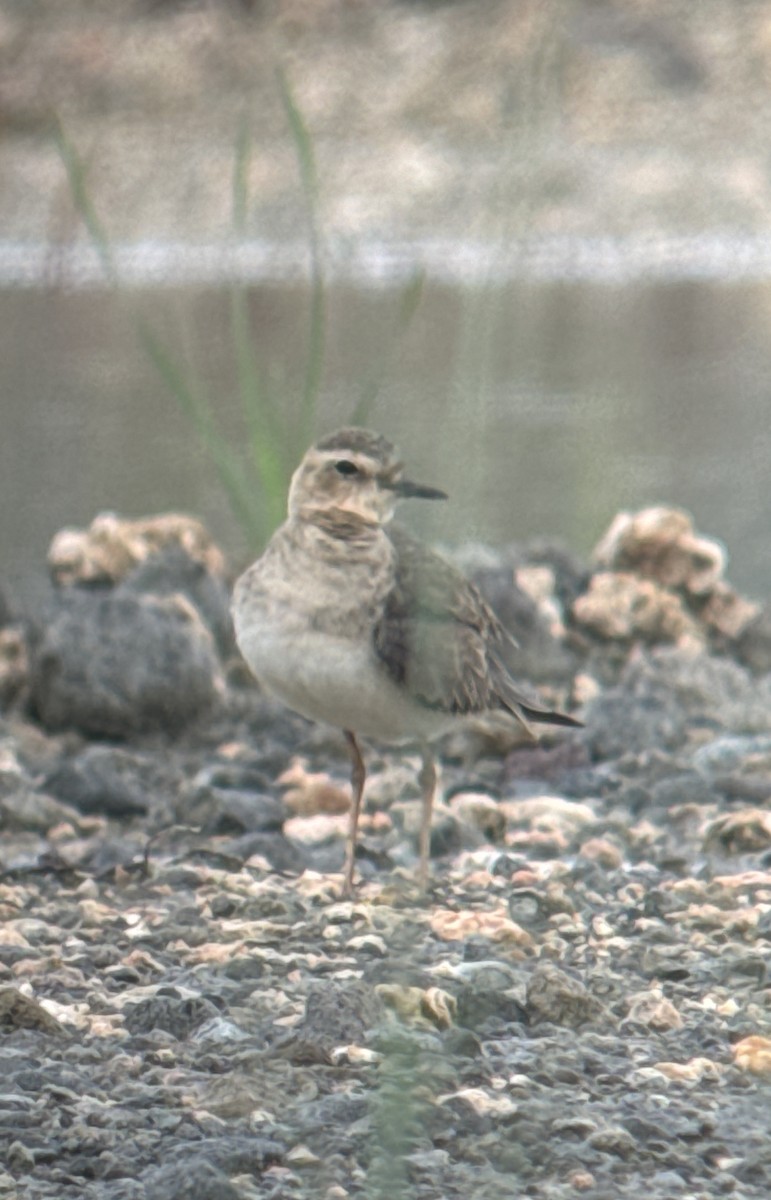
point(260, 415)
point(77, 179)
point(239, 489)
point(410, 299)
point(240, 188)
point(314, 362)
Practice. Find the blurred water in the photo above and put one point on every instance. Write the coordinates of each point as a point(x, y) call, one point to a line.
point(541, 406)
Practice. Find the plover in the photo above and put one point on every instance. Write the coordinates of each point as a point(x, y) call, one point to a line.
point(348, 619)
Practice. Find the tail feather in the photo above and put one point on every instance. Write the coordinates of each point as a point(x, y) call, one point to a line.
point(523, 706)
point(550, 717)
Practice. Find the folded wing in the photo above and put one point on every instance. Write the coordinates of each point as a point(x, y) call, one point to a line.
point(438, 638)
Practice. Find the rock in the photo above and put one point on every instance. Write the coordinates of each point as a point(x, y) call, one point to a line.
point(688, 1072)
point(682, 787)
point(660, 544)
point(725, 754)
point(173, 571)
point(489, 1009)
point(233, 812)
point(14, 664)
point(630, 719)
point(529, 908)
point(336, 1014)
point(613, 1140)
point(570, 573)
point(728, 614)
point(662, 582)
point(601, 851)
point(481, 812)
point(177, 1014)
point(192, 1180)
point(482, 1103)
point(27, 751)
point(23, 806)
point(540, 584)
point(33, 811)
point(101, 780)
point(218, 1031)
point(112, 547)
point(114, 665)
point(619, 606)
point(279, 852)
point(495, 926)
point(741, 832)
point(753, 1054)
point(18, 1011)
point(313, 792)
point(654, 1009)
point(754, 644)
point(432, 1005)
point(555, 996)
point(549, 814)
point(20, 1158)
point(581, 1181)
point(235, 776)
point(664, 692)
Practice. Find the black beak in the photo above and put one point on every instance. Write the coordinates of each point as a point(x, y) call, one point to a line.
point(406, 488)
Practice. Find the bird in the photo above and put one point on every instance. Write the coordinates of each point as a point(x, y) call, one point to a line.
point(348, 619)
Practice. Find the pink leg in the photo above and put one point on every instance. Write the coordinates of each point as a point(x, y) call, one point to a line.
point(358, 775)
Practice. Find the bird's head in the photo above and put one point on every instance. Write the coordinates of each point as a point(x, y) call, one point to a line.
point(356, 473)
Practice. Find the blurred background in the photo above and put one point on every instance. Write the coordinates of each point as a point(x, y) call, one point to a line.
point(528, 240)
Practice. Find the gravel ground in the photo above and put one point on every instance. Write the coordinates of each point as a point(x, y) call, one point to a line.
point(579, 1006)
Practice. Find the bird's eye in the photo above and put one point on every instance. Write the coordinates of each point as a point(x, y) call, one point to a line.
point(344, 467)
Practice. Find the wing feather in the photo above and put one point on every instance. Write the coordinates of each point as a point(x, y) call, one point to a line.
point(438, 637)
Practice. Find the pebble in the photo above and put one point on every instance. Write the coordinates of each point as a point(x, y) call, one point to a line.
point(579, 1006)
point(753, 1054)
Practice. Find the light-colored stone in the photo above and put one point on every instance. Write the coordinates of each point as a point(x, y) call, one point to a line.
point(496, 925)
point(309, 793)
point(480, 811)
point(652, 1008)
point(112, 546)
point(548, 814)
point(692, 1071)
point(661, 544)
point(753, 1054)
point(620, 606)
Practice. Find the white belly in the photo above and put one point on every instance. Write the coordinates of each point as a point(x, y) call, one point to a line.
point(338, 680)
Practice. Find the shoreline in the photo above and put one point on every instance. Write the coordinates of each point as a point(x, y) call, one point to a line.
point(723, 257)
